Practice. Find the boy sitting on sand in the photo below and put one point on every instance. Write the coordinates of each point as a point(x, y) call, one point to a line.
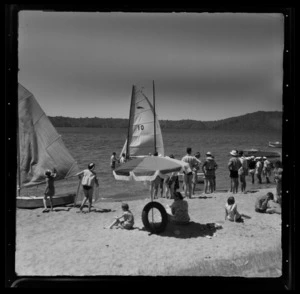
point(261, 204)
point(126, 221)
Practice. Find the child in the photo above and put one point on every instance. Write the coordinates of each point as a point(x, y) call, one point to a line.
point(49, 190)
point(89, 178)
point(126, 221)
point(231, 212)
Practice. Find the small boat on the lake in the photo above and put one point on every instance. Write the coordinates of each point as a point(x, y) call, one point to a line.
point(275, 144)
point(261, 153)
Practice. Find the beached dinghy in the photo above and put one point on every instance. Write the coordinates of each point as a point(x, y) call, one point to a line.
point(275, 144)
point(40, 148)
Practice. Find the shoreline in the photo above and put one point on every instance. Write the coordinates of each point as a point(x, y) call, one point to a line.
point(66, 243)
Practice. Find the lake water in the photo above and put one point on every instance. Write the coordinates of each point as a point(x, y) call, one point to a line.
point(97, 144)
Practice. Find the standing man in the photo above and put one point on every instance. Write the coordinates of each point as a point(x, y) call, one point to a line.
point(267, 169)
point(195, 171)
point(209, 167)
point(234, 165)
point(243, 171)
point(188, 174)
point(258, 169)
point(251, 166)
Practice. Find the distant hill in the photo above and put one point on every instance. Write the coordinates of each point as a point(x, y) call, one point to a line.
point(267, 120)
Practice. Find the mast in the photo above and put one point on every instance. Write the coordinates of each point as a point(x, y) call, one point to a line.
point(129, 122)
point(154, 114)
point(19, 160)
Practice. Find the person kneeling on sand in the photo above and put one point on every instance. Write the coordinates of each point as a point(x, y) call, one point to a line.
point(178, 210)
point(231, 212)
point(261, 204)
point(126, 221)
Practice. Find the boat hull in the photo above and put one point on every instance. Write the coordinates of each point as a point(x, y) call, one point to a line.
point(37, 202)
point(200, 178)
point(261, 153)
point(275, 144)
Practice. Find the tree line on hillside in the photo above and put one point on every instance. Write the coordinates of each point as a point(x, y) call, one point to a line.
point(265, 120)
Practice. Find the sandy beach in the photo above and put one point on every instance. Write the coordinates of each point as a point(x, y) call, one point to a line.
point(67, 243)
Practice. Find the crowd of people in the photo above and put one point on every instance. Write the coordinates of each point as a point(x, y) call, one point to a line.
point(239, 167)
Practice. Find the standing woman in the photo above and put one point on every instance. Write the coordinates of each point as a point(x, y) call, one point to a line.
point(49, 190)
point(88, 179)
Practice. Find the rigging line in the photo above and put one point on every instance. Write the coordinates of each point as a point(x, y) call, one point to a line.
point(143, 112)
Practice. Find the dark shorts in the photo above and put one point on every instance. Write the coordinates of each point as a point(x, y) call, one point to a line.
point(86, 187)
point(188, 174)
point(234, 174)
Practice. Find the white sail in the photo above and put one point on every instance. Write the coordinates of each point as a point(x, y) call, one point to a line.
point(40, 146)
point(142, 130)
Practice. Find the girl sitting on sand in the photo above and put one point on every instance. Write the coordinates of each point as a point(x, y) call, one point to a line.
point(126, 221)
point(231, 212)
point(49, 190)
point(178, 211)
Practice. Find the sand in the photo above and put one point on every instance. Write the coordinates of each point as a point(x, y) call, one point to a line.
point(67, 243)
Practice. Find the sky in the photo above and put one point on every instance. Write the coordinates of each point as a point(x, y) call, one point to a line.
point(206, 66)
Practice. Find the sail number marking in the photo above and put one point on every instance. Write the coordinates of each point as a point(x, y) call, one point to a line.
point(140, 127)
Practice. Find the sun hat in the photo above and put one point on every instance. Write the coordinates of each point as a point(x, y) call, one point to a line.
point(48, 172)
point(257, 158)
point(264, 157)
point(233, 153)
point(91, 165)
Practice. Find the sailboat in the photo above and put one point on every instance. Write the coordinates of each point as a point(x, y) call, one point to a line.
point(144, 135)
point(40, 147)
point(275, 144)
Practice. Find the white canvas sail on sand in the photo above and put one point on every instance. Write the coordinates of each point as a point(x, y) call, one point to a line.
point(144, 136)
point(40, 148)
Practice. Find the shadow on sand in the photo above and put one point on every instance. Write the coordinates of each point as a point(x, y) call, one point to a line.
point(192, 230)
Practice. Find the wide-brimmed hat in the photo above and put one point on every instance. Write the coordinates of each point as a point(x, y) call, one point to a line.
point(234, 153)
point(264, 157)
point(257, 158)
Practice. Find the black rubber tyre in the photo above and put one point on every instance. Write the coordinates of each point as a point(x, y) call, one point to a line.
point(158, 227)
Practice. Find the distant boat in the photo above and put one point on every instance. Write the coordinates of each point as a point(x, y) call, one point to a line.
point(144, 135)
point(40, 148)
point(275, 144)
point(261, 153)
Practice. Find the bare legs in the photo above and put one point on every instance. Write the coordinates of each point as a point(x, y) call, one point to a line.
point(45, 203)
point(88, 195)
